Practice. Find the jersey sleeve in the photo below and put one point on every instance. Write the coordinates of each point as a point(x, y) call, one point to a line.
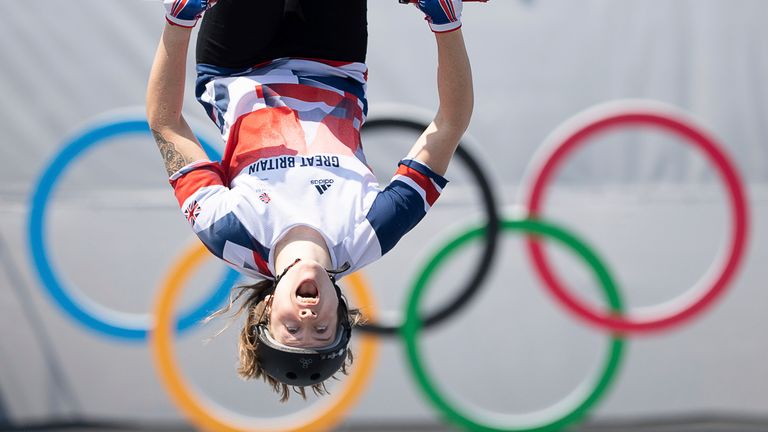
point(194, 180)
point(404, 202)
point(210, 207)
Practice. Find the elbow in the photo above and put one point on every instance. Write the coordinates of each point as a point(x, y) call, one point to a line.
point(154, 118)
point(464, 115)
point(463, 118)
point(159, 118)
point(457, 104)
point(456, 121)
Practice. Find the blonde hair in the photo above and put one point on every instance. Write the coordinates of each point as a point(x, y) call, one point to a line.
point(248, 344)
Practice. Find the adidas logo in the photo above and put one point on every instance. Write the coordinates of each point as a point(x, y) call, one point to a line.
point(322, 185)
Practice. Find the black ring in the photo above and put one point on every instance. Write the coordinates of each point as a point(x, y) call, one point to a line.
point(492, 229)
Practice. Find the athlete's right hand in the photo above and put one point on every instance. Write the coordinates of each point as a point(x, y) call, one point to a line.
point(185, 13)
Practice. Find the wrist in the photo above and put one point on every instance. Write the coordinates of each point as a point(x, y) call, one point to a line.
point(446, 27)
point(180, 23)
point(176, 35)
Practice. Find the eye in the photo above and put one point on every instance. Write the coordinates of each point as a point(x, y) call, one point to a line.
point(291, 330)
point(321, 329)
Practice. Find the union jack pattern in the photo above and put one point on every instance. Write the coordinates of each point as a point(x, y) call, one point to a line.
point(185, 13)
point(442, 15)
point(290, 127)
point(178, 6)
point(319, 107)
point(192, 212)
point(448, 9)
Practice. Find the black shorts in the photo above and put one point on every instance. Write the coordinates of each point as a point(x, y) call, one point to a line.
point(243, 33)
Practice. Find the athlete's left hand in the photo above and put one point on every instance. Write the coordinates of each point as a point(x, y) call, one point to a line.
point(185, 13)
point(442, 15)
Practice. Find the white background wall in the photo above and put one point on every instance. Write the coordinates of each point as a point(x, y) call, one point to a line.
point(651, 206)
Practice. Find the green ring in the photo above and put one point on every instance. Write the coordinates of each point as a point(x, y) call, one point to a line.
point(413, 325)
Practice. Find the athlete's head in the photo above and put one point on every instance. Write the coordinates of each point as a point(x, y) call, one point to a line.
point(297, 330)
point(303, 309)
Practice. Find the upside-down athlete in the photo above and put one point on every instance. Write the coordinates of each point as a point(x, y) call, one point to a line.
point(293, 203)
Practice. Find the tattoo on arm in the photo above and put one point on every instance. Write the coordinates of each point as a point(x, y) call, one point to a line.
point(174, 160)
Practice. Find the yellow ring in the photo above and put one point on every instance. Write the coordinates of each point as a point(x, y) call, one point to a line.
point(323, 415)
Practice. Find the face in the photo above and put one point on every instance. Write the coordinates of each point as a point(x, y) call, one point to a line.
point(303, 308)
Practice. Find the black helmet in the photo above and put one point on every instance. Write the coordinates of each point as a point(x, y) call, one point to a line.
point(302, 366)
point(305, 366)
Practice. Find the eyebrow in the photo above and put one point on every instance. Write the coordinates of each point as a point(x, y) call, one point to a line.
point(293, 338)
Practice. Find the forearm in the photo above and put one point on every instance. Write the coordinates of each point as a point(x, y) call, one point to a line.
point(454, 84)
point(165, 90)
point(165, 98)
point(436, 145)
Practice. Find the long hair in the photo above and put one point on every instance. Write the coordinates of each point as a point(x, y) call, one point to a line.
point(255, 307)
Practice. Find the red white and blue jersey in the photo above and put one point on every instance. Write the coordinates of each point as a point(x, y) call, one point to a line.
point(294, 157)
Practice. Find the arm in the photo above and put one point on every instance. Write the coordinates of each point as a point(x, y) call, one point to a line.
point(435, 147)
point(165, 96)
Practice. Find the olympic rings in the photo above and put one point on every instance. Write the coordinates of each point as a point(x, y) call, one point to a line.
point(85, 311)
point(610, 116)
point(544, 421)
point(327, 413)
point(490, 207)
point(324, 415)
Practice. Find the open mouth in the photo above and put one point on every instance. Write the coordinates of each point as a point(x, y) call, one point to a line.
point(307, 294)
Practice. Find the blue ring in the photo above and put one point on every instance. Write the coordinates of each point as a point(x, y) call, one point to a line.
point(102, 320)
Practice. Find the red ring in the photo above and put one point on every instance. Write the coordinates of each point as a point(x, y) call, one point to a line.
point(639, 113)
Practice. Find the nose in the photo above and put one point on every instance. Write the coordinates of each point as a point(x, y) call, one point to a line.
point(307, 313)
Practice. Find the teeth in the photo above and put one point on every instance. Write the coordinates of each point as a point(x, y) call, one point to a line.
point(307, 300)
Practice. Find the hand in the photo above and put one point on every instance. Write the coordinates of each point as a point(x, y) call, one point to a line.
point(442, 15)
point(185, 13)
